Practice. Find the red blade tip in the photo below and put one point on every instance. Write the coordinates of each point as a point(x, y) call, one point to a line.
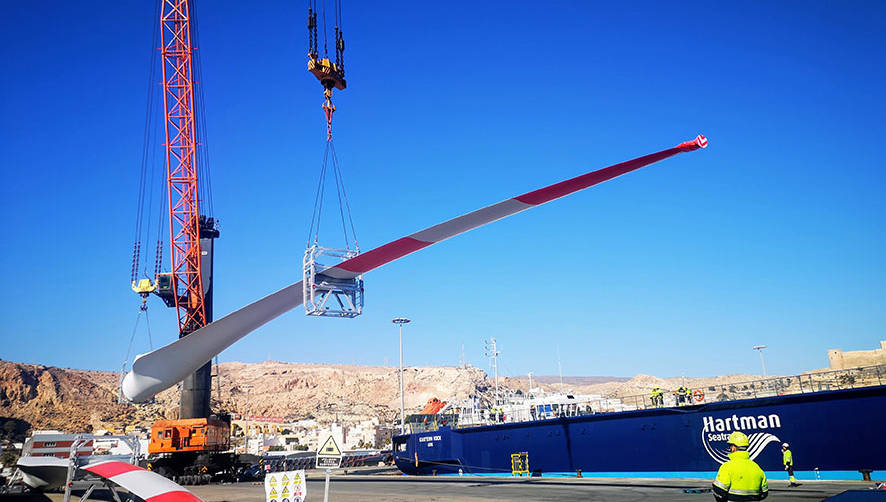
point(699, 142)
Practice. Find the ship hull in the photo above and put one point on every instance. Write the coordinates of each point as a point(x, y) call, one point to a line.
point(833, 435)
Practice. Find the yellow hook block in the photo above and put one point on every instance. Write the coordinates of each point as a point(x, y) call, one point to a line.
point(327, 72)
point(144, 286)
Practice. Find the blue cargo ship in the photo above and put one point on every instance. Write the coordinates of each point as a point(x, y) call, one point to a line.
point(834, 434)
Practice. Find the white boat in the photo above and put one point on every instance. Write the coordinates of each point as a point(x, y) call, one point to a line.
point(43, 473)
point(48, 455)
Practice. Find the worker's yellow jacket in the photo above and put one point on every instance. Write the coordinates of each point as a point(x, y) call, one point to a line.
point(788, 458)
point(740, 478)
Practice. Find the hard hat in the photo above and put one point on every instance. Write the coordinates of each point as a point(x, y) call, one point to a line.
point(738, 439)
point(785, 445)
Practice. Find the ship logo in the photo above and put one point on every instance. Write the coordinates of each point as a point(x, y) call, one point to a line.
point(717, 430)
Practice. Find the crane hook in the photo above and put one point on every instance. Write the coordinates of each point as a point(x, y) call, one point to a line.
point(328, 110)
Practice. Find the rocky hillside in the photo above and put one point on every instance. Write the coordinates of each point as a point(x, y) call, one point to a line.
point(81, 400)
point(576, 380)
point(57, 398)
point(343, 391)
point(642, 384)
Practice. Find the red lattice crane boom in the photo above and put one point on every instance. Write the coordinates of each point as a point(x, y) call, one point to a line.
point(181, 165)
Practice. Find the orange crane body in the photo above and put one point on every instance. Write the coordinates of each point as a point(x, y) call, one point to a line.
point(194, 434)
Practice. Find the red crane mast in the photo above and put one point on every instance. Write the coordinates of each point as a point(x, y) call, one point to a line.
point(181, 165)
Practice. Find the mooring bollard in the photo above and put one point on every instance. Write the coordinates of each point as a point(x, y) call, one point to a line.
point(866, 474)
point(578, 473)
point(434, 472)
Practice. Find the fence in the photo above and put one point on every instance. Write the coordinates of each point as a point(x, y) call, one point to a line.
point(867, 376)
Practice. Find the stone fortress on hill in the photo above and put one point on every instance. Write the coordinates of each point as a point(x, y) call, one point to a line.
point(839, 360)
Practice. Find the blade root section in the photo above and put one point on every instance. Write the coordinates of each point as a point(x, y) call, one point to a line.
point(168, 365)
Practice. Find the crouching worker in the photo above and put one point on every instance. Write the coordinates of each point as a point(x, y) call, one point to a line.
point(740, 478)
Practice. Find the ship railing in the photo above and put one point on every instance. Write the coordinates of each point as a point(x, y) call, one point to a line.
point(806, 383)
point(513, 412)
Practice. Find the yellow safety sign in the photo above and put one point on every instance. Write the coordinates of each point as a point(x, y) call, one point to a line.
point(330, 448)
point(288, 486)
point(520, 464)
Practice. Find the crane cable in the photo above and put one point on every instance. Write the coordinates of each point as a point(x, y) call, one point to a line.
point(146, 174)
point(344, 206)
point(138, 318)
point(200, 129)
point(328, 110)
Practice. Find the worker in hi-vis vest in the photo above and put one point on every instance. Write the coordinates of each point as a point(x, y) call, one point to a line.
point(788, 458)
point(740, 478)
point(657, 397)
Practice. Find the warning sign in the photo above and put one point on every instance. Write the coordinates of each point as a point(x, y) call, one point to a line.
point(286, 486)
point(330, 448)
point(329, 454)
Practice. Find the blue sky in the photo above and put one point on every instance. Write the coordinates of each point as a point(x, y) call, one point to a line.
point(773, 235)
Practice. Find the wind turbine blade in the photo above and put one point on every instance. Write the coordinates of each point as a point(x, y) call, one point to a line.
point(154, 371)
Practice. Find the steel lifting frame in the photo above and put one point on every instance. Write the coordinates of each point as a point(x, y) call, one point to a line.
point(318, 288)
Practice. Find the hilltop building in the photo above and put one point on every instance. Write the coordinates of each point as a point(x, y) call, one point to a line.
point(839, 360)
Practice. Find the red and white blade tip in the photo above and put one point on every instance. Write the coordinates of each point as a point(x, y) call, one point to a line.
point(701, 141)
point(694, 144)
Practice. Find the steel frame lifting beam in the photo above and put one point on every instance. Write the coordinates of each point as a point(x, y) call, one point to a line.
point(326, 295)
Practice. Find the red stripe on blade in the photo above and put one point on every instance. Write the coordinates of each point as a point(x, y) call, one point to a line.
point(379, 256)
point(174, 497)
point(569, 186)
point(111, 469)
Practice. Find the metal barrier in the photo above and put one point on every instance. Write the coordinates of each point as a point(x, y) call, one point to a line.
point(308, 461)
point(866, 376)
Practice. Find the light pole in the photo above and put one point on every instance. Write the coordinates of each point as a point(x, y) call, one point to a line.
point(400, 321)
point(763, 363)
point(246, 434)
